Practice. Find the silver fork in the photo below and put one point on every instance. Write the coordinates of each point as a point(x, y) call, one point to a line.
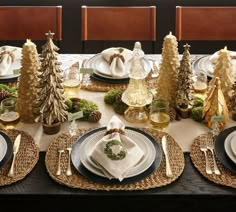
point(210, 146)
point(204, 149)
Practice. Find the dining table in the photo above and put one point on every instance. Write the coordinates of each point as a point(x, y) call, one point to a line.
point(190, 189)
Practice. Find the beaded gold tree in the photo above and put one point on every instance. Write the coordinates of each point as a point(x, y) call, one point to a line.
point(27, 91)
point(50, 99)
point(168, 74)
point(185, 84)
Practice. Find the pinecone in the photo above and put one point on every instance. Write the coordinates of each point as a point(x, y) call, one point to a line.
point(4, 94)
point(172, 114)
point(95, 116)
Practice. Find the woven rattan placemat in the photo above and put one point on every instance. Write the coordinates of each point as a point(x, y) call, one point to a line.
point(96, 85)
point(226, 178)
point(100, 86)
point(156, 179)
point(26, 158)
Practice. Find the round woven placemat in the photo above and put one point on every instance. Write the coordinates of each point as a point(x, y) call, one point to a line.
point(26, 158)
point(76, 180)
point(226, 178)
point(96, 85)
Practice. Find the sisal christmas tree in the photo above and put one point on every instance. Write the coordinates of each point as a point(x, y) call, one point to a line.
point(50, 94)
point(224, 70)
point(27, 91)
point(215, 106)
point(185, 88)
point(167, 80)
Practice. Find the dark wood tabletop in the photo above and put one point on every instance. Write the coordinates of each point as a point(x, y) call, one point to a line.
point(189, 192)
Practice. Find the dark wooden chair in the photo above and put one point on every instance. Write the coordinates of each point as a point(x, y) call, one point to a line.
point(32, 22)
point(205, 23)
point(112, 23)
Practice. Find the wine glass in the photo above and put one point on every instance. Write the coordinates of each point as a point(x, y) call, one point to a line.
point(159, 118)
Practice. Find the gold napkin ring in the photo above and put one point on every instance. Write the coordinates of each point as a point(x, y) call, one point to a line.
point(115, 130)
point(116, 55)
point(7, 52)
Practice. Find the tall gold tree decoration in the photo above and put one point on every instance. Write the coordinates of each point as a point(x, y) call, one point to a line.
point(167, 80)
point(50, 97)
point(27, 91)
point(215, 105)
point(185, 88)
point(223, 69)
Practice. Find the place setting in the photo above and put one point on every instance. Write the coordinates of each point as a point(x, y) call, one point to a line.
point(111, 67)
point(10, 63)
point(115, 157)
point(213, 154)
point(18, 155)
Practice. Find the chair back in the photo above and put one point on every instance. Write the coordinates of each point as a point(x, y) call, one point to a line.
point(32, 22)
point(205, 23)
point(113, 23)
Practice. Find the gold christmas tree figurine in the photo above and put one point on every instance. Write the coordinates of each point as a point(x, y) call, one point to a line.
point(27, 91)
point(215, 106)
point(185, 84)
point(50, 94)
point(167, 80)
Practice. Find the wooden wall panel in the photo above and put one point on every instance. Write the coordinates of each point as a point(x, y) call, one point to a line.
point(71, 33)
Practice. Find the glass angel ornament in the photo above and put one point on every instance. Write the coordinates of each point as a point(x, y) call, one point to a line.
point(137, 94)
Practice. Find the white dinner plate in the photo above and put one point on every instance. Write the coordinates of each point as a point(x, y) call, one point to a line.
point(141, 140)
point(233, 145)
point(16, 65)
point(107, 76)
point(98, 63)
point(3, 147)
point(204, 63)
point(227, 145)
point(6, 148)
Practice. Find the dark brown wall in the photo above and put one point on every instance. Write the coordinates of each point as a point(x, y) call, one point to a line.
point(165, 23)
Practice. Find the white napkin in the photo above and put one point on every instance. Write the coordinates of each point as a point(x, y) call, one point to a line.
point(130, 155)
point(117, 57)
point(8, 54)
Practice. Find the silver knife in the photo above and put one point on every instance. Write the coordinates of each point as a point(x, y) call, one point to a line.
point(15, 150)
point(165, 150)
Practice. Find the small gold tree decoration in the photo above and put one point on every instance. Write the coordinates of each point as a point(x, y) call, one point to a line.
point(223, 69)
point(50, 97)
point(27, 91)
point(185, 84)
point(215, 106)
point(168, 75)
